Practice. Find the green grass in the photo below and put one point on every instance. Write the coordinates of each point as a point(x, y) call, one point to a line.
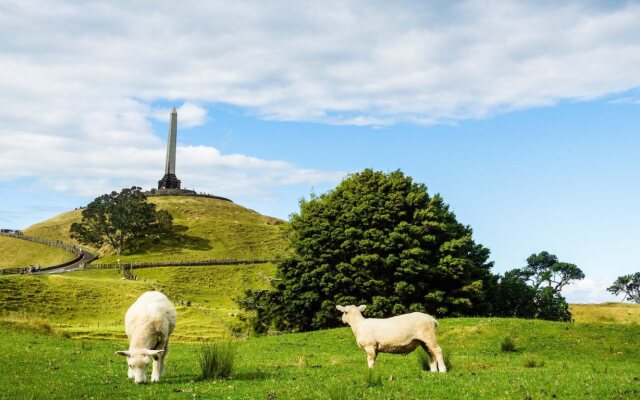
point(204, 229)
point(573, 361)
point(90, 304)
point(619, 313)
point(22, 253)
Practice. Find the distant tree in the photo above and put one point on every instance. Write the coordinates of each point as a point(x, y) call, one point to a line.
point(535, 290)
point(515, 297)
point(629, 285)
point(120, 219)
point(377, 239)
point(545, 269)
point(551, 305)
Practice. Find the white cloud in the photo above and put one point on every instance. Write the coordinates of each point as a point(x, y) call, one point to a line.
point(80, 81)
point(588, 290)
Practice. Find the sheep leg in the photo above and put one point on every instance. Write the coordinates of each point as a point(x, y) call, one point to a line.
point(437, 353)
point(155, 373)
point(164, 359)
point(371, 355)
point(158, 365)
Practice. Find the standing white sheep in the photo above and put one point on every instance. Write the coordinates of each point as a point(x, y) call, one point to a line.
point(149, 322)
point(399, 335)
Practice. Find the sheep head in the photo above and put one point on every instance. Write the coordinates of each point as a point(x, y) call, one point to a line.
point(138, 360)
point(351, 313)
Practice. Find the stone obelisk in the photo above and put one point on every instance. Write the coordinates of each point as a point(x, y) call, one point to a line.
point(170, 180)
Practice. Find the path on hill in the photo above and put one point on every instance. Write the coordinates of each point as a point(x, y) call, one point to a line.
point(87, 258)
point(82, 256)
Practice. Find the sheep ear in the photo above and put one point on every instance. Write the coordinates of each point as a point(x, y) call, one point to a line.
point(340, 308)
point(123, 353)
point(361, 308)
point(154, 353)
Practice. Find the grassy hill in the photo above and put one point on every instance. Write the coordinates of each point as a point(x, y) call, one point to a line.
point(553, 360)
point(204, 228)
point(618, 313)
point(90, 304)
point(21, 253)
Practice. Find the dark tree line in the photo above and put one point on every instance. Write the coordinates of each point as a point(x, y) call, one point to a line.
point(380, 239)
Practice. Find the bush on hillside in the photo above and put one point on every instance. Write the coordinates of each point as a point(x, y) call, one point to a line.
point(377, 239)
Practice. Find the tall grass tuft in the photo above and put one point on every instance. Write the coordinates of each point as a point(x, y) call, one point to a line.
point(532, 362)
point(423, 360)
point(372, 379)
point(508, 345)
point(447, 357)
point(216, 359)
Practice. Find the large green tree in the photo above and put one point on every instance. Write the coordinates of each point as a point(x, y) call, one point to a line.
point(629, 285)
point(120, 219)
point(377, 239)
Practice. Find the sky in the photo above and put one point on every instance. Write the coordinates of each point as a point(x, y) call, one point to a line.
point(523, 115)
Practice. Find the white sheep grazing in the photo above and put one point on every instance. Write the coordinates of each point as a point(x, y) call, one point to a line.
point(399, 335)
point(149, 322)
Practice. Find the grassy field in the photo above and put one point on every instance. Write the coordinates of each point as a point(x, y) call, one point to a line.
point(617, 313)
point(21, 253)
point(91, 304)
point(572, 361)
point(204, 228)
point(58, 335)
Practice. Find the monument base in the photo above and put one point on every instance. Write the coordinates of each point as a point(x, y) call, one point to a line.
point(170, 192)
point(169, 181)
point(182, 192)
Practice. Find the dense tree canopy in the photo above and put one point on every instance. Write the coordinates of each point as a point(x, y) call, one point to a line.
point(120, 219)
point(377, 239)
point(534, 291)
point(629, 285)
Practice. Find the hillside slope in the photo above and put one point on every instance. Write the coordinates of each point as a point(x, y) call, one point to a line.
point(93, 303)
point(617, 313)
point(21, 253)
point(204, 228)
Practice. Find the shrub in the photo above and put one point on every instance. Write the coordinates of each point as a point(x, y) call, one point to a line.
point(508, 345)
point(216, 359)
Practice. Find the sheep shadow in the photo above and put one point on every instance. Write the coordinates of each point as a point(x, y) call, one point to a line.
point(258, 375)
point(184, 379)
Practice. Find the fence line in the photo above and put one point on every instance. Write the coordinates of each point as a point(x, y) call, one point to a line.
point(176, 264)
point(56, 243)
point(78, 251)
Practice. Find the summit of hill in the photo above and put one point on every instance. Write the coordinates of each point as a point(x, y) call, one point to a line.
point(204, 228)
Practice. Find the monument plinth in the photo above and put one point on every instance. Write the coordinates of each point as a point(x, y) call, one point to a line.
point(170, 184)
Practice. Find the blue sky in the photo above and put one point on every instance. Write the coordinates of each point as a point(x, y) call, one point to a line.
point(526, 124)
